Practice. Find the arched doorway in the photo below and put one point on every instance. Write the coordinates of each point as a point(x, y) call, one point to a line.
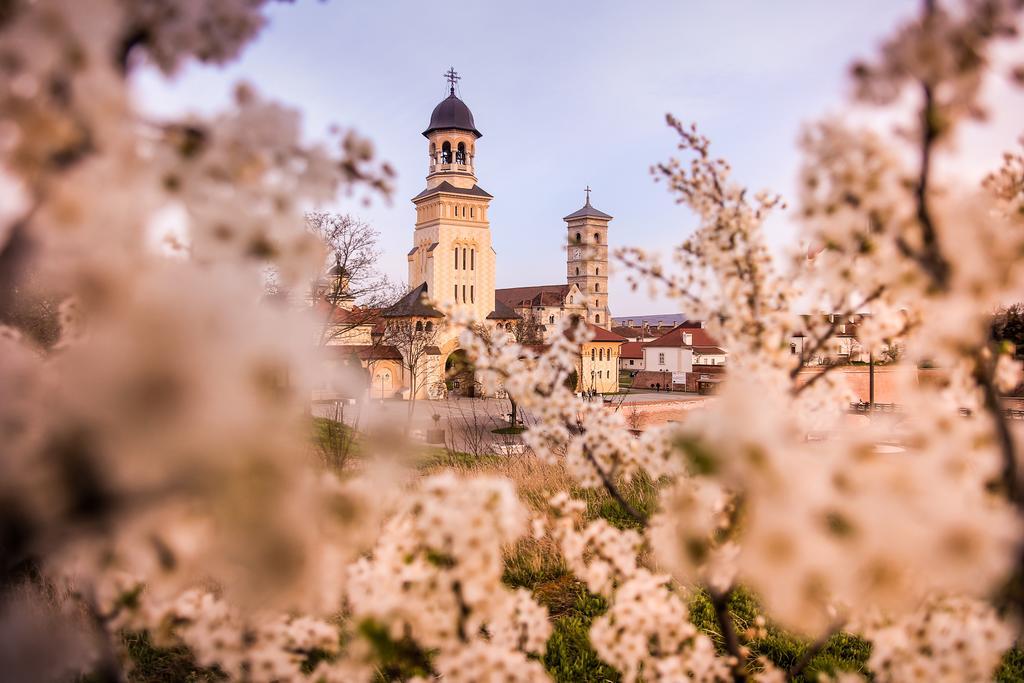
point(383, 385)
point(460, 375)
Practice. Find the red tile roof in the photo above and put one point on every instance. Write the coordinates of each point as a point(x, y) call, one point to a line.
point(674, 338)
point(632, 350)
point(599, 334)
point(628, 332)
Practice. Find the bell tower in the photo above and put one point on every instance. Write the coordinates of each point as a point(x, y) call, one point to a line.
point(452, 250)
point(587, 259)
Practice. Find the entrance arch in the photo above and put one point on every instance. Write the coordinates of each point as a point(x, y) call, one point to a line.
point(460, 375)
point(385, 381)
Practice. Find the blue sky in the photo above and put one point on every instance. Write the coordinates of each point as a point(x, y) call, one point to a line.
point(566, 94)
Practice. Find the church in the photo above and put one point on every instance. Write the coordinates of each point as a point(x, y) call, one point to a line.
point(408, 349)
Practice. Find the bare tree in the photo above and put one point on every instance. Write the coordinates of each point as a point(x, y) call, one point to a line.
point(528, 329)
point(355, 290)
point(416, 341)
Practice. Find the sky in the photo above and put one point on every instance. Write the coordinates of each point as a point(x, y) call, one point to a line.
point(566, 94)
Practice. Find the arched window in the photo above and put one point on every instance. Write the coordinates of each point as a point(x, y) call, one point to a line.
point(597, 271)
point(597, 286)
point(463, 261)
point(472, 259)
point(551, 320)
point(593, 354)
point(597, 317)
point(579, 238)
point(429, 326)
point(433, 153)
point(446, 153)
point(600, 354)
point(456, 258)
point(419, 325)
point(471, 212)
point(597, 238)
point(460, 153)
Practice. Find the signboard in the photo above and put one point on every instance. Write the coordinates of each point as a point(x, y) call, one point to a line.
point(678, 378)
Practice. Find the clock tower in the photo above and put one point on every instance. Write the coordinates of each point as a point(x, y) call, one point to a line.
point(587, 259)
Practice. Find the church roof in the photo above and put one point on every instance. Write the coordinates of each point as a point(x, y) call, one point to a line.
point(445, 186)
point(587, 211)
point(413, 305)
point(540, 295)
point(502, 311)
point(452, 112)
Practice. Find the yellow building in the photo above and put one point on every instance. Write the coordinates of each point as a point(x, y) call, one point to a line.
point(599, 362)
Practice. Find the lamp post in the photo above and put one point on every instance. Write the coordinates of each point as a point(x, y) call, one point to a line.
point(871, 380)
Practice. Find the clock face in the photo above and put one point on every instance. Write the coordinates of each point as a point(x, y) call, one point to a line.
point(576, 253)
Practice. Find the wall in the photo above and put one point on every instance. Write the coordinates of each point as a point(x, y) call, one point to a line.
point(676, 359)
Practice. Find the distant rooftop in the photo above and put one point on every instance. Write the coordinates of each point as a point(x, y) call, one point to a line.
point(666, 319)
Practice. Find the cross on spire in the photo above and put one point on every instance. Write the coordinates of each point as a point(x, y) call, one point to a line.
point(453, 77)
point(587, 190)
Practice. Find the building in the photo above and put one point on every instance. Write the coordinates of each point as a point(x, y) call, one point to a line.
point(599, 362)
point(681, 359)
point(585, 292)
point(631, 356)
point(409, 349)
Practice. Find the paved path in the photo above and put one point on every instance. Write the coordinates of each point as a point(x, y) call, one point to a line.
point(468, 422)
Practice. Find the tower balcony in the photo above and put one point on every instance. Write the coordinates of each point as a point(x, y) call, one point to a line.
point(451, 168)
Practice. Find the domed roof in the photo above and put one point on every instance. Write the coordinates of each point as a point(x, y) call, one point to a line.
point(452, 113)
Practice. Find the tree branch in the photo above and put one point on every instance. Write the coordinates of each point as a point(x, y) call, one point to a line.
point(720, 601)
point(811, 652)
point(612, 490)
point(984, 376)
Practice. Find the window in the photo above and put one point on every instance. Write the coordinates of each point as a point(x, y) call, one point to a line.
point(630, 361)
point(463, 261)
point(593, 354)
point(456, 293)
point(419, 325)
point(600, 354)
point(472, 259)
point(471, 212)
point(551, 320)
point(456, 258)
point(579, 238)
point(463, 293)
point(597, 286)
point(661, 359)
point(446, 153)
point(430, 326)
point(471, 300)
point(460, 153)
point(597, 238)
point(577, 271)
point(597, 317)
point(792, 348)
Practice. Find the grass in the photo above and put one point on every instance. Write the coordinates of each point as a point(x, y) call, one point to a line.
point(538, 566)
point(508, 430)
point(151, 664)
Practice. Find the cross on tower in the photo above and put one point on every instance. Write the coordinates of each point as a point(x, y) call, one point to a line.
point(453, 78)
point(587, 190)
